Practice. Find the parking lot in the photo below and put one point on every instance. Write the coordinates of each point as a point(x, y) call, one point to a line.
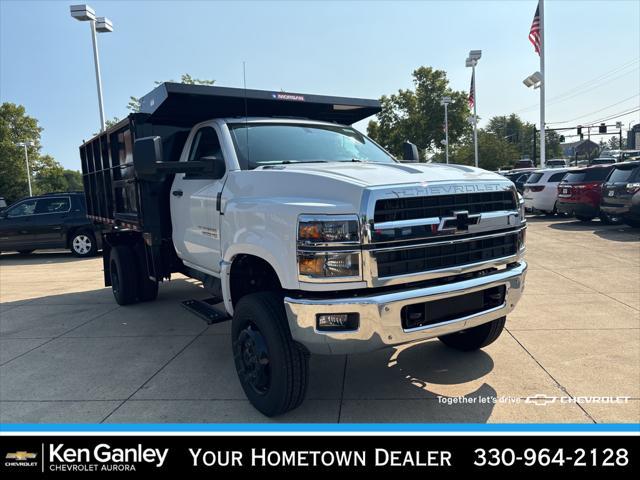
point(68, 353)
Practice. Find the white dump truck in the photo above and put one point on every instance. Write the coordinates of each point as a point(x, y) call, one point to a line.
point(313, 238)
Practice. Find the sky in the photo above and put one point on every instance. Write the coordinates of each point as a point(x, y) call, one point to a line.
point(349, 48)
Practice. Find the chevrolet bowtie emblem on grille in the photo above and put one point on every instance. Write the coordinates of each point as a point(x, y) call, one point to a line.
point(459, 222)
point(20, 456)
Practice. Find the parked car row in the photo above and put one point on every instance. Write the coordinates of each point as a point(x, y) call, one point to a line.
point(608, 191)
point(55, 220)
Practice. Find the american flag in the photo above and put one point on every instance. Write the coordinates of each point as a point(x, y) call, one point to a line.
point(472, 89)
point(534, 33)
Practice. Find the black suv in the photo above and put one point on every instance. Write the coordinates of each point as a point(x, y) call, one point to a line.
point(621, 193)
point(55, 220)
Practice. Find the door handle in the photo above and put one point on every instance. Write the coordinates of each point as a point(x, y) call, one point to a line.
point(177, 193)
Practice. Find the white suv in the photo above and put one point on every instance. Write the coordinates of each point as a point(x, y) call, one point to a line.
point(541, 190)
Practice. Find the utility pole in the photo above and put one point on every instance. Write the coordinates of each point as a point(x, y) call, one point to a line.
point(26, 159)
point(446, 101)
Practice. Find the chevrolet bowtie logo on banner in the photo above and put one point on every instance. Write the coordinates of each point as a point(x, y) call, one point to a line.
point(21, 456)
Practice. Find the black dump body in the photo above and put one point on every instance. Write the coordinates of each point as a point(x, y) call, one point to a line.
point(124, 203)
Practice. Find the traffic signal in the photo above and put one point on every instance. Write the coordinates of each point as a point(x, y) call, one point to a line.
point(561, 138)
point(580, 132)
point(603, 128)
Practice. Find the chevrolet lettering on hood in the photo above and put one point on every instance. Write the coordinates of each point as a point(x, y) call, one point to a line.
point(448, 189)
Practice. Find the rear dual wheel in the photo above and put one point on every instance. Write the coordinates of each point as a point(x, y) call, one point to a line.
point(129, 281)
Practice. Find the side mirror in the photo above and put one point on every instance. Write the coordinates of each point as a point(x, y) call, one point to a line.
point(147, 154)
point(410, 152)
point(148, 164)
point(216, 167)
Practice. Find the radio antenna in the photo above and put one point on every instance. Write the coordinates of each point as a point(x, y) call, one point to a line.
point(246, 110)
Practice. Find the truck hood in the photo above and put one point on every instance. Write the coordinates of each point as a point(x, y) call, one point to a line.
point(380, 174)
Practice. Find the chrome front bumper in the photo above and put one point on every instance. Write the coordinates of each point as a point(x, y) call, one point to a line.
point(380, 317)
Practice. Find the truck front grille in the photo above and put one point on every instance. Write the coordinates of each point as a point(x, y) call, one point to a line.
point(433, 257)
point(396, 209)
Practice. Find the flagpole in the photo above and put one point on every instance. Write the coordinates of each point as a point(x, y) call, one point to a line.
point(542, 87)
point(475, 116)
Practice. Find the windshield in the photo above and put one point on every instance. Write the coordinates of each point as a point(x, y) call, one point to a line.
point(271, 144)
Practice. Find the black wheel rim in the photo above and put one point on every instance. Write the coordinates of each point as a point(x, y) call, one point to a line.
point(252, 358)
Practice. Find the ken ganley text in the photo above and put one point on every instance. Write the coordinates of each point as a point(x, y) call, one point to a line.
point(262, 457)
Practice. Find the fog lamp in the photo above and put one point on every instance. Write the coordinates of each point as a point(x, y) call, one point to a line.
point(337, 322)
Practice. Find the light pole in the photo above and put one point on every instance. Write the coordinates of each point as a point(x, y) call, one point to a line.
point(446, 101)
point(26, 159)
point(472, 61)
point(536, 80)
point(85, 13)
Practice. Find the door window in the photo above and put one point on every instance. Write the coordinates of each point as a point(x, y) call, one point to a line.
point(28, 207)
point(205, 144)
point(53, 205)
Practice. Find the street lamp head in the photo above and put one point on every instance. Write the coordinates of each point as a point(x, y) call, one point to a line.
point(534, 80)
point(82, 13)
point(104, 25)
point(475, 55)
point(445, 100)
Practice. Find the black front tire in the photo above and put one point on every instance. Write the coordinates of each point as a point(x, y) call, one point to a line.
point(83, 244)
point(607, 219)
point(475, 338)
point(124, 275)
point(272, 368)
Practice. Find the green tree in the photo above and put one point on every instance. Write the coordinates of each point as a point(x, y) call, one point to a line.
point(614, 143)
point(515, 131)
point(16, 126)
point(416, 115)
point(520, 134)
point(47, 175)
point(494, 151)
point(74, 180)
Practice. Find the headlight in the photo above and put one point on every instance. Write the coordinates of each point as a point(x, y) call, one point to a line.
point(326, 248)
point(521, 207)
point(332, 229)
point(329, 264)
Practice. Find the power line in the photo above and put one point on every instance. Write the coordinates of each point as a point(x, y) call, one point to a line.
point(576, 91)
point(614, 116)
point(596, 111)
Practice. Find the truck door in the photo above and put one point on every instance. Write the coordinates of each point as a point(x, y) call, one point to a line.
point(194, 197)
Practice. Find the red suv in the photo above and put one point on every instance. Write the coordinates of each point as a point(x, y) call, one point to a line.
point(580, 193)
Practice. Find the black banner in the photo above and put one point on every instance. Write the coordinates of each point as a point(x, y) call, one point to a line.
point(52, 456)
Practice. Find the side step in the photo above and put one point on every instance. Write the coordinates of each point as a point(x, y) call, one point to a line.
point(205, 310)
